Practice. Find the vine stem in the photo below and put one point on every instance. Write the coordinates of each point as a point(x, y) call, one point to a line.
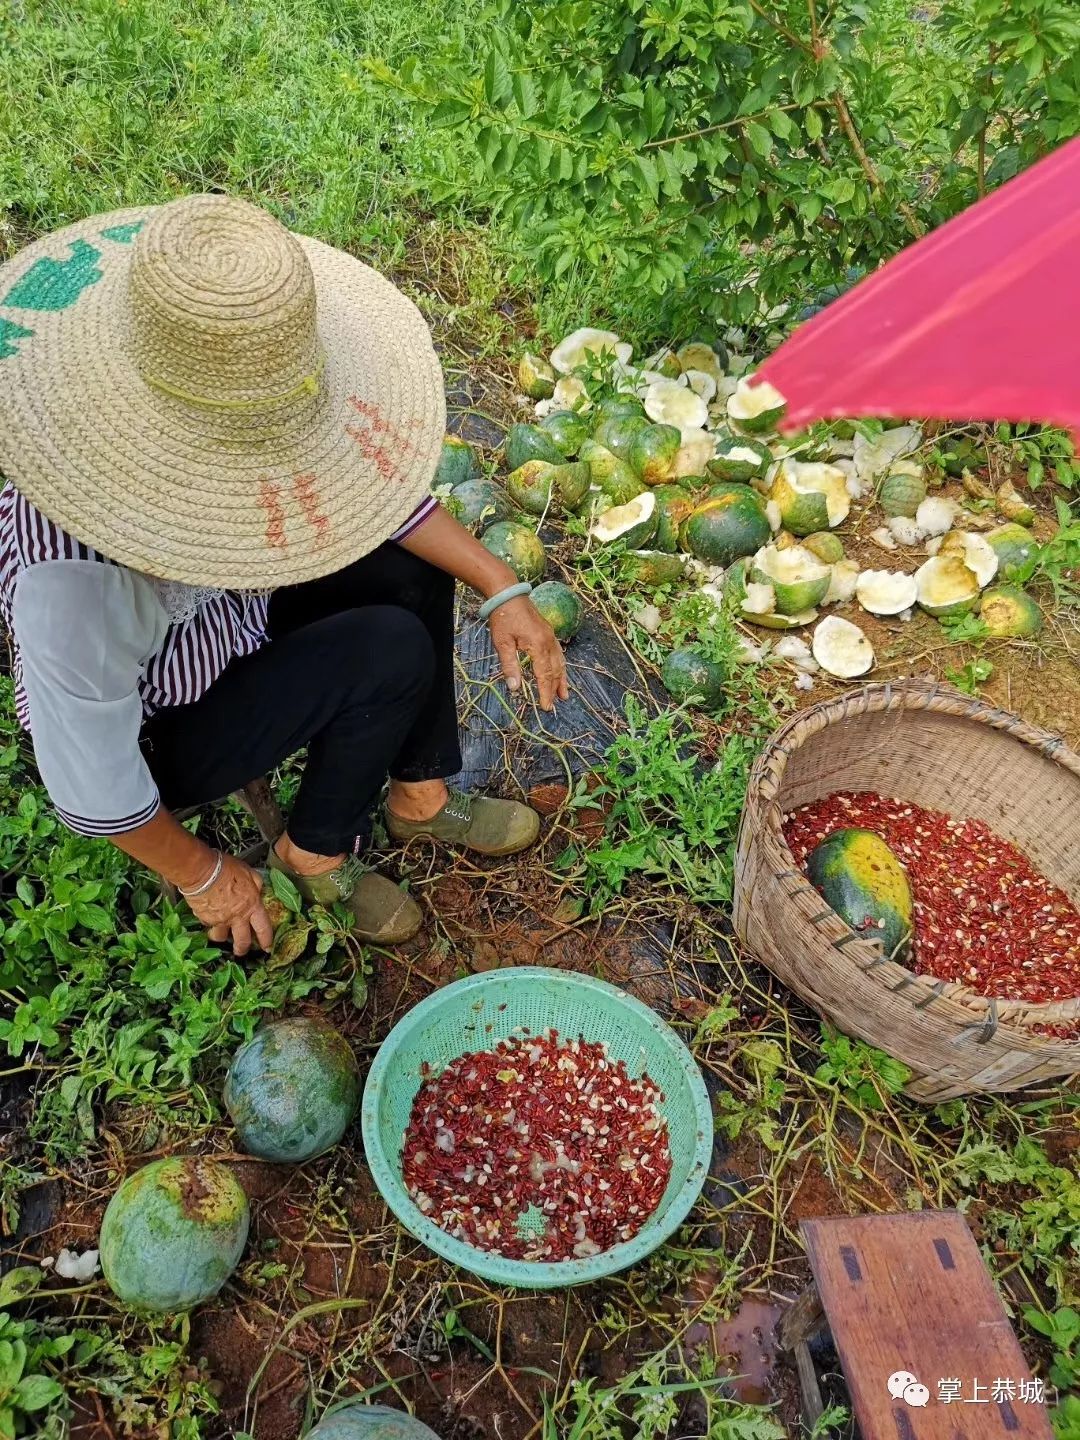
point(735, 124)
point(847, 124)
point(779, 26)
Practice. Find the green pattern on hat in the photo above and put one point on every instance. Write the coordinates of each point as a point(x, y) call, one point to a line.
point(123, 234)
point(56, 284)
point(9, 333)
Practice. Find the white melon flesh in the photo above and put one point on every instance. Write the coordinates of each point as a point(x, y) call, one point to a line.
point(695, 452)
point(619, 520)
point(585, 345)
point(795, 650)
point(669, 403)
point(841, 648)
point(885, 592)
point(570, 394)
point(977, 554)
point(760, 599)
point(701, 384)
point(753, 405)
point(935, 515)
point(903, 530)
point(845, 575)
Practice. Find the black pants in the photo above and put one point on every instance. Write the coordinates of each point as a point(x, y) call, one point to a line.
point(359, 668)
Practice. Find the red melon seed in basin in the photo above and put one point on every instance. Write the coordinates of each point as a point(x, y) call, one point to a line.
point(538, 1124)
point(984, 916)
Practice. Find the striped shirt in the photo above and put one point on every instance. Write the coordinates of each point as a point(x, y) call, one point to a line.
point(84, 729)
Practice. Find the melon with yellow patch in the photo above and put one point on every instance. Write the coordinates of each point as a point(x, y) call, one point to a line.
point(861, 878)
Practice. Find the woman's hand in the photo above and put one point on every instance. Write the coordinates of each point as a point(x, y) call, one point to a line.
point(233, 907)
point(518, 626)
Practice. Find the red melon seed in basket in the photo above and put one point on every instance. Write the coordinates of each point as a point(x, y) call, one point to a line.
point(984, 916)
point(542, 1127)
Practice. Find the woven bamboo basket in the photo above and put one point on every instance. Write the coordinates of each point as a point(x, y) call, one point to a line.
point(931, 745)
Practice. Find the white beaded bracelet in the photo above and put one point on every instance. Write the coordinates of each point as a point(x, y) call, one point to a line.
point(211, 880)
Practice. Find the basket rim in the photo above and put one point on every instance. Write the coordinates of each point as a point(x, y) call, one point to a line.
point(762, 811)
point(490, 1265)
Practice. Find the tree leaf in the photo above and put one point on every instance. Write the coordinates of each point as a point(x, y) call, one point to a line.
point(759, 138)
point(498, 82)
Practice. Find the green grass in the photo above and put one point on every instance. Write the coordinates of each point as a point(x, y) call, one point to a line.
point(105, 104)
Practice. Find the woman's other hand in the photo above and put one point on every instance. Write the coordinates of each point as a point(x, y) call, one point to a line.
point(233, 907)
point(518, 627)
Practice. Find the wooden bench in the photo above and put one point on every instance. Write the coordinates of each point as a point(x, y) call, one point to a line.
point(910, 1303)
point(257, 798)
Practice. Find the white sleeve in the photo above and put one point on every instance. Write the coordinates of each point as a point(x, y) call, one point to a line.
point(85, 630)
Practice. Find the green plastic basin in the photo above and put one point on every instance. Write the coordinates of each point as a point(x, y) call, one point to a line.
point(468, 1016)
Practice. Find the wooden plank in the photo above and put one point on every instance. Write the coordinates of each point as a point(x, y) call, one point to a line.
point(910, 1293)
point(803, 1318)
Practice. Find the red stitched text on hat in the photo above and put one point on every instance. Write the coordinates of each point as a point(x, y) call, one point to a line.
point(270, 500)
point(381, 442)
point(308, 497)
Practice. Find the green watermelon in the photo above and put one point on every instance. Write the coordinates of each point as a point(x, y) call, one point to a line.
point(529, 442)
point(535, 377)
point(456, 464)
point(722, 529)
point(622, 407)
point(517, 546)
point(292, 1090)
point(825, 545)
point(617, 434)
point(651, 568)
point(532, 486)
point(673, 505)
point(1016, 550)
point(568, 430)
point(690, 675)
point(360, 1421)
point(810, 496)
point(173, 1234)
point(720, 488)
point(902, 491)
point(653, 450)
point(476, 503)
point(856, 873)
point(739, 459)
point(612, 475)
point(1008, 612)
point(560, 607)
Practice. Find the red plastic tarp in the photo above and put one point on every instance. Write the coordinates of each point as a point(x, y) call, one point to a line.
point(979, 320)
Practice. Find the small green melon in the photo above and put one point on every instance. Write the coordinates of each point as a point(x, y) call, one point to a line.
point(560, 607)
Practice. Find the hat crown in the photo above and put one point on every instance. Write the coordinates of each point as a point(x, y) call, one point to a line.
point(222, 306)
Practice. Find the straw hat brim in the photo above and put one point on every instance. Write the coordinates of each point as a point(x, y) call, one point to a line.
point(167, 488)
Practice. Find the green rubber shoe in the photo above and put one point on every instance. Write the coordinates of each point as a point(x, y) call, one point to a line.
point(491, 827)
point(382, 910)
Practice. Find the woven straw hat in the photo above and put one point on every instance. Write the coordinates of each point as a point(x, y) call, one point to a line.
point(202, 395)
